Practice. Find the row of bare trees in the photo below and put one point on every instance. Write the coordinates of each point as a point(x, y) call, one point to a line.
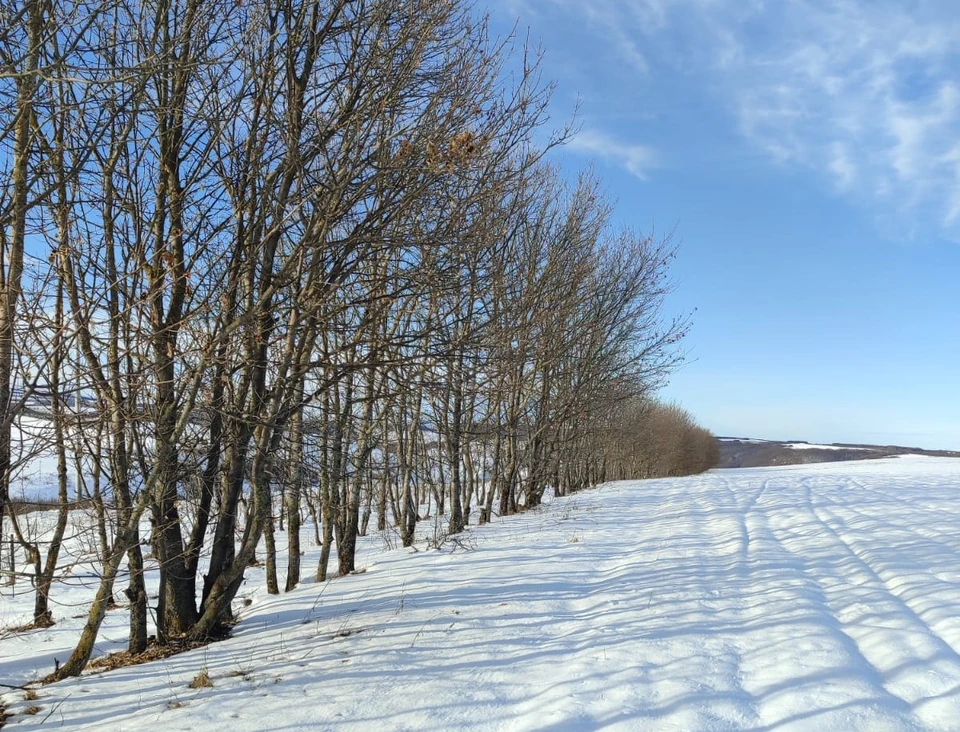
point(281, 260)
point(648, 439)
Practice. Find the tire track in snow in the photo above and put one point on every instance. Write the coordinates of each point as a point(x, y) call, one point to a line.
point(903, 559)
point(881, 629)
point(787, 626)
point(928, 679)
point(674, 673)
point(718, 519)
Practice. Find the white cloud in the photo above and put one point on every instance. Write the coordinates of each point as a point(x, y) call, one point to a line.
point(842, 166)
point(862, 91)
point(636, 159)
point(952, 158)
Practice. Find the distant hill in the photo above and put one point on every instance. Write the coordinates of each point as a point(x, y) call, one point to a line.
point(743, 452)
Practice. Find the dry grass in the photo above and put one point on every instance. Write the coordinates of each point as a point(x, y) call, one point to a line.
point(154, 652)
point(202, 680)
point(46, 622)
point(242, 673)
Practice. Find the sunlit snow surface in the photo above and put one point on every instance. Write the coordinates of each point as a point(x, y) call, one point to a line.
point(814, 597)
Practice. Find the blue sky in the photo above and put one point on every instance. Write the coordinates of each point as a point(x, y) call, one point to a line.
point(807, 155)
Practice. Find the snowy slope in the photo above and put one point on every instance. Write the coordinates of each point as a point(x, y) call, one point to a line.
point(814, 597)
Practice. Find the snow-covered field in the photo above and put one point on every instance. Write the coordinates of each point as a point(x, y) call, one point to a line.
point(815, 597)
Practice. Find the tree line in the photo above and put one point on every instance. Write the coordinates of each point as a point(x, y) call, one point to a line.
point(277, 260)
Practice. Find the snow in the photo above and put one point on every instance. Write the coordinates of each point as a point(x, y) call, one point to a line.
point(808, 446)
point(34, 476)
point(811, 597)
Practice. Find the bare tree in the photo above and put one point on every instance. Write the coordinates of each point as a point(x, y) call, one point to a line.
point(306, 254)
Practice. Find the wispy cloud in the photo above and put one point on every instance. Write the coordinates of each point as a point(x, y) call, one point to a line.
point(636, 159)
point(842, 167)
point(864, 92)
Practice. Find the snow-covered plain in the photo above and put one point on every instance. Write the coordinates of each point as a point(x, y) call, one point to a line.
point(814, 597)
